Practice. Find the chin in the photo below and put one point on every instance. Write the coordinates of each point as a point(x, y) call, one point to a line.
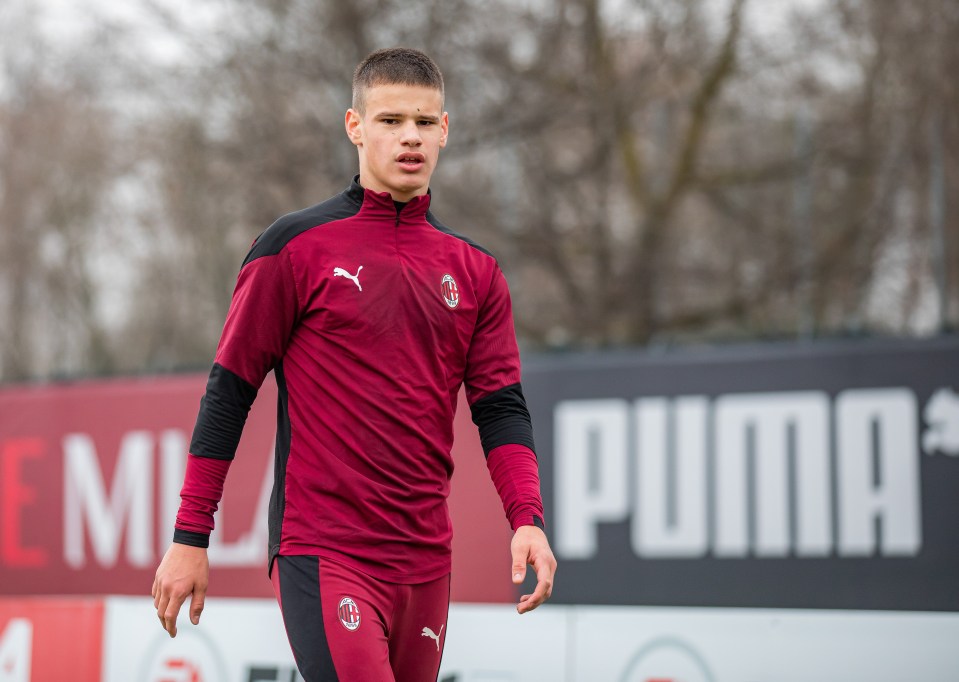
point(409, 186)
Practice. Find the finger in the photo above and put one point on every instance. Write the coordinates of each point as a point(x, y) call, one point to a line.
point(169, 624)
point(519, 565)
point(161, 605)
point(546, 573)
point(155, 593)
point(196, 605)
point(544, 587)
point(535, 599)
point(170, 614)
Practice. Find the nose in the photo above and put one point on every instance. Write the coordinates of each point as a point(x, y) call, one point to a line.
point(410, 135)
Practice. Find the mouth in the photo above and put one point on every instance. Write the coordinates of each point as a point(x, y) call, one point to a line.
point(411, 160)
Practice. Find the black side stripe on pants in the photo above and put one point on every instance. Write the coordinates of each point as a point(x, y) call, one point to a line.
point(300, 599)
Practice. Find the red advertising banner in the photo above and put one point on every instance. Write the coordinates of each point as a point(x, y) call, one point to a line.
point(90, 474)
point(44, 640)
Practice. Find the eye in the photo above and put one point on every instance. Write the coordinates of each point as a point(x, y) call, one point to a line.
point(426, 123)
point(389, 121)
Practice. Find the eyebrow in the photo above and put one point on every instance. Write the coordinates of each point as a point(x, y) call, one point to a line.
point(422, 117)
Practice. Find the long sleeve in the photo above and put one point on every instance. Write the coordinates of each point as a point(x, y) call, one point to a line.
point(262, 315)
point(499, 409)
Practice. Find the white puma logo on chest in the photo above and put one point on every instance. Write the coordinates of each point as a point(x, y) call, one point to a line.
point(340, 272)
point(432, 635)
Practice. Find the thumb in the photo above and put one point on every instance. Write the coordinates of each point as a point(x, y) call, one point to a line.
point(196, 606)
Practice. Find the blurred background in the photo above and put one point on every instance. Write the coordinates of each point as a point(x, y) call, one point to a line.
point(653, 172)
point(747, 210)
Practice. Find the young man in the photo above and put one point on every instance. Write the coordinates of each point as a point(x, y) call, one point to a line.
point(372, 315)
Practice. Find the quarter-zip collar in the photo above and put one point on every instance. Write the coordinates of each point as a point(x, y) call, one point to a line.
point(380, 205)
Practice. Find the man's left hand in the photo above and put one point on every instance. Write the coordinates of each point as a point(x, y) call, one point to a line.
point(531, 548)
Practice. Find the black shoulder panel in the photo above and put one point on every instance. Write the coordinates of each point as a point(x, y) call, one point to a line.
point(432, 220)
point(276, 236)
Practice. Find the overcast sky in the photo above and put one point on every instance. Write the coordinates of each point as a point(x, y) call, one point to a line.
point(68, 18)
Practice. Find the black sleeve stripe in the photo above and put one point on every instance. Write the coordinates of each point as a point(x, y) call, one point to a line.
point(187, 537)
point(503, 419)
point(223, 412)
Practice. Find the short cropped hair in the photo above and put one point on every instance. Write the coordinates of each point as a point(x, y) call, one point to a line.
point(394, 65)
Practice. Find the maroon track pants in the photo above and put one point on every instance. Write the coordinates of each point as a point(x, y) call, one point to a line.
point(346, 626)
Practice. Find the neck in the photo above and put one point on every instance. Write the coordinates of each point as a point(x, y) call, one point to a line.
point(398, 196)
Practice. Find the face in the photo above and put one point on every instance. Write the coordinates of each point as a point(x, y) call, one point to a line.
point(399, 137)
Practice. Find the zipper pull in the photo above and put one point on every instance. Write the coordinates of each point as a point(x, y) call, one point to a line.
point(398, 205)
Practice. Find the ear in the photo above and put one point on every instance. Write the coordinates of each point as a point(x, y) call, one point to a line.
point(354, 127)
point(445, 127)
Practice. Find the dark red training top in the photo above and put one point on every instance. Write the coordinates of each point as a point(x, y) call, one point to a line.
point(372, 315)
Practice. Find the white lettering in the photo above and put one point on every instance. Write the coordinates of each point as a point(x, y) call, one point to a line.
point(771, 466)
point(760, 425)
point(942, 415)
point(173, 456)
point(877, 437)
point(591, 461)
point(130, 502)
point(662, 442)
point(16, 645)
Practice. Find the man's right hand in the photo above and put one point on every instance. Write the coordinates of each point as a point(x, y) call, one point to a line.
point(184, 571)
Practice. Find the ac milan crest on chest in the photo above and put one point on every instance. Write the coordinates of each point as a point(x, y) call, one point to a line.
point(349, 614)
point(451, 293)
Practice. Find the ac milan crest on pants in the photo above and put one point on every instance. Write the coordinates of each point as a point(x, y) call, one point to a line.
point(345, 625)
point(349, 614)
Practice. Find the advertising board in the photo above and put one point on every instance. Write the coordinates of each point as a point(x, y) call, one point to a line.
point(794, 476)
point(51, 640)
point(243, 641)
point(90, 476)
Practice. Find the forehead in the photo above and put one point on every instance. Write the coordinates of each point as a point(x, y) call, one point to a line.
point(402, 99)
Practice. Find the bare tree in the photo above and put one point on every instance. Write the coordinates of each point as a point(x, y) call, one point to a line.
point(646, 172)
point(55, 171)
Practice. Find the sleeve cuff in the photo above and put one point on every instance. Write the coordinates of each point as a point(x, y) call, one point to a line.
point(186, 537)
point(527, 519)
